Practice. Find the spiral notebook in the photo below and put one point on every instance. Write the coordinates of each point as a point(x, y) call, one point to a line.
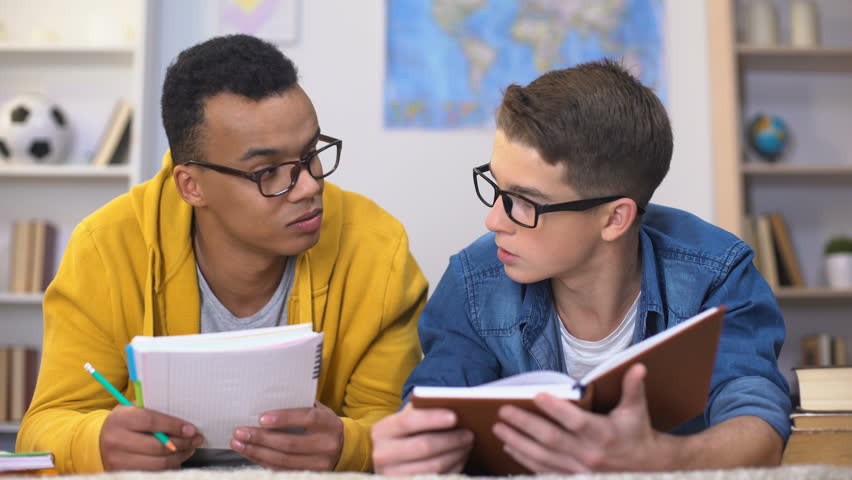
point(220, 381)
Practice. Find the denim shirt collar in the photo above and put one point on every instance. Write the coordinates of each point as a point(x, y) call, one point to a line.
point(650, 318)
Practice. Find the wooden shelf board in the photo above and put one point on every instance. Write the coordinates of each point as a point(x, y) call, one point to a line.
point(790, 293)
point(775, 170)
point(786, 58)
point(9, 427)
point(118, 172)
point(21, 298)
point(52, 48)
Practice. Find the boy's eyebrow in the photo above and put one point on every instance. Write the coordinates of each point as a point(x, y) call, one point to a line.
point(269, 152)
point(522, 190)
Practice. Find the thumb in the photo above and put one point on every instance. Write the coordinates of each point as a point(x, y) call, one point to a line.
point(633, 388)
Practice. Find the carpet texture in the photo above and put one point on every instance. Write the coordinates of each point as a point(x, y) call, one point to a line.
point(803, 472)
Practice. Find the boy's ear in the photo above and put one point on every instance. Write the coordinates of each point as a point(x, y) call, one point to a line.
point(188, 187)
point(620, 216)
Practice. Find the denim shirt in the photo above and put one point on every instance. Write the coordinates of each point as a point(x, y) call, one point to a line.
point(480, 325)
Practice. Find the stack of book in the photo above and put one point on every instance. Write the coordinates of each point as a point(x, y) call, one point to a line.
point(822, 427)
point(18, 373)
point(33, 256)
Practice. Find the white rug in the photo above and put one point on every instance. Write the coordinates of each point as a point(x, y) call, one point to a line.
point(802, 472)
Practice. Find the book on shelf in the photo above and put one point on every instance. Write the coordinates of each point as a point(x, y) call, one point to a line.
point(679, 364)
point(788, 262)
point(40, 463)
point(824, 388)
point(22, 375)
point(33, 256)
point(5, 370)
point(822, 350)
point(220, 381)
point(22, 255)
point(767, 261)
point(116, 135)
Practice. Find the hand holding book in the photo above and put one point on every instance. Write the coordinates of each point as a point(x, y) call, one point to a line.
point(679, 364)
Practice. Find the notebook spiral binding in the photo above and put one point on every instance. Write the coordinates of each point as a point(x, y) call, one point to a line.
point(318, 361)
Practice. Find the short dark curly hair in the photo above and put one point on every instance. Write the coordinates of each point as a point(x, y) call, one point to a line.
point(239, 64)
point(611, 131)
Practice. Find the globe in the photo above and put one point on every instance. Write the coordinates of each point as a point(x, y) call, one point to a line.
point(768, 136)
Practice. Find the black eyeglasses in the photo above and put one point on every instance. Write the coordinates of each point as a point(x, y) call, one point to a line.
point(524, 211)
point(282, 177)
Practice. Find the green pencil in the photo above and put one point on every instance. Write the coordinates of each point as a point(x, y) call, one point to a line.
point(124, 401)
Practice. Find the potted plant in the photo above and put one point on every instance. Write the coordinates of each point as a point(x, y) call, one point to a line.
point(838, 262)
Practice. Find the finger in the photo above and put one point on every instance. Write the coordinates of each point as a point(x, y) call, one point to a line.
point(534, 426)
point(567, 414)
point(536, 456)
point(306, 418)
point(570, 465)
point(292, 443)
point(411, 421)
point(145, 420)
point(277, 460)
point(133, 442)
point(633, 388)
point(452, 461)
point(134, 461)
point(421, 447)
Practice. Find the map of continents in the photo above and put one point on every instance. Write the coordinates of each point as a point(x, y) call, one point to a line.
point(448, 61)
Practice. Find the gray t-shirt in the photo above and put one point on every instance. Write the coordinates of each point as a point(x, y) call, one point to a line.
point(215, 317)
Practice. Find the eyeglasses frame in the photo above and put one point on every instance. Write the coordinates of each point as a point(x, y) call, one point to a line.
point(572, 206)
point(299, 164)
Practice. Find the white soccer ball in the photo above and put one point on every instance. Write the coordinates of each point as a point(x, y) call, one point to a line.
point(33, 129)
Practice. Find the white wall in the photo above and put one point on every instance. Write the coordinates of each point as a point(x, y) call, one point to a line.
point(424, 177)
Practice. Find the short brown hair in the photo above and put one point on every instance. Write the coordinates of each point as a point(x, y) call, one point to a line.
point(611, 131)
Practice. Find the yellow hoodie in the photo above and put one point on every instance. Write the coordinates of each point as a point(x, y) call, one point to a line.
point(129, 269)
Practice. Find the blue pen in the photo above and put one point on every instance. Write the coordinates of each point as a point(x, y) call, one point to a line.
point(124, 401)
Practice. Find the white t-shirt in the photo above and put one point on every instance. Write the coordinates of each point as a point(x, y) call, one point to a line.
point(581, 355)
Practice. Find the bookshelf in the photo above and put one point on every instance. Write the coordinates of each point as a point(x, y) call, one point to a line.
point(811, 184)
point(85, 59)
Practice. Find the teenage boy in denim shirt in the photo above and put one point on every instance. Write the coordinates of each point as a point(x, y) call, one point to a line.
point(579, 265)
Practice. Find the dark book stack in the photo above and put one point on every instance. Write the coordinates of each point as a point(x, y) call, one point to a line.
point(18, 374)
point(33, 256)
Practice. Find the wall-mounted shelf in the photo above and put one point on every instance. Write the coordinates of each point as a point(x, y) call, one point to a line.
point(35, 48)
point(812, 294)
point(117, 172)
point(9, 427)
point(826, 59)
point(7, 298)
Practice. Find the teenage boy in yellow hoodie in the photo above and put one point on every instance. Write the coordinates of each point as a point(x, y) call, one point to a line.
point(238, 230)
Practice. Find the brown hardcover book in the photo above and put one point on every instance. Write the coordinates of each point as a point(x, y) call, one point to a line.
point(22, 250)
point(807, 420)
point(37, 257)
point(679, 362)
point(786, 252)
point(44, 246)
point(22, 379)
point(116, 129)
point(4, 384)
point(17, 382)
point(766, 249)
point(833, 447)
point(825, 388)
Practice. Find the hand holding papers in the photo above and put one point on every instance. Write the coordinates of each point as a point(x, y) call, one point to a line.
point(220, 381)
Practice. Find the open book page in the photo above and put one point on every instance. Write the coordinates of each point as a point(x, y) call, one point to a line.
point(219, 384)
point(524, 385)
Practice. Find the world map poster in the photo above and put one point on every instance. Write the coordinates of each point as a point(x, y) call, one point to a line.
point(448, 61)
